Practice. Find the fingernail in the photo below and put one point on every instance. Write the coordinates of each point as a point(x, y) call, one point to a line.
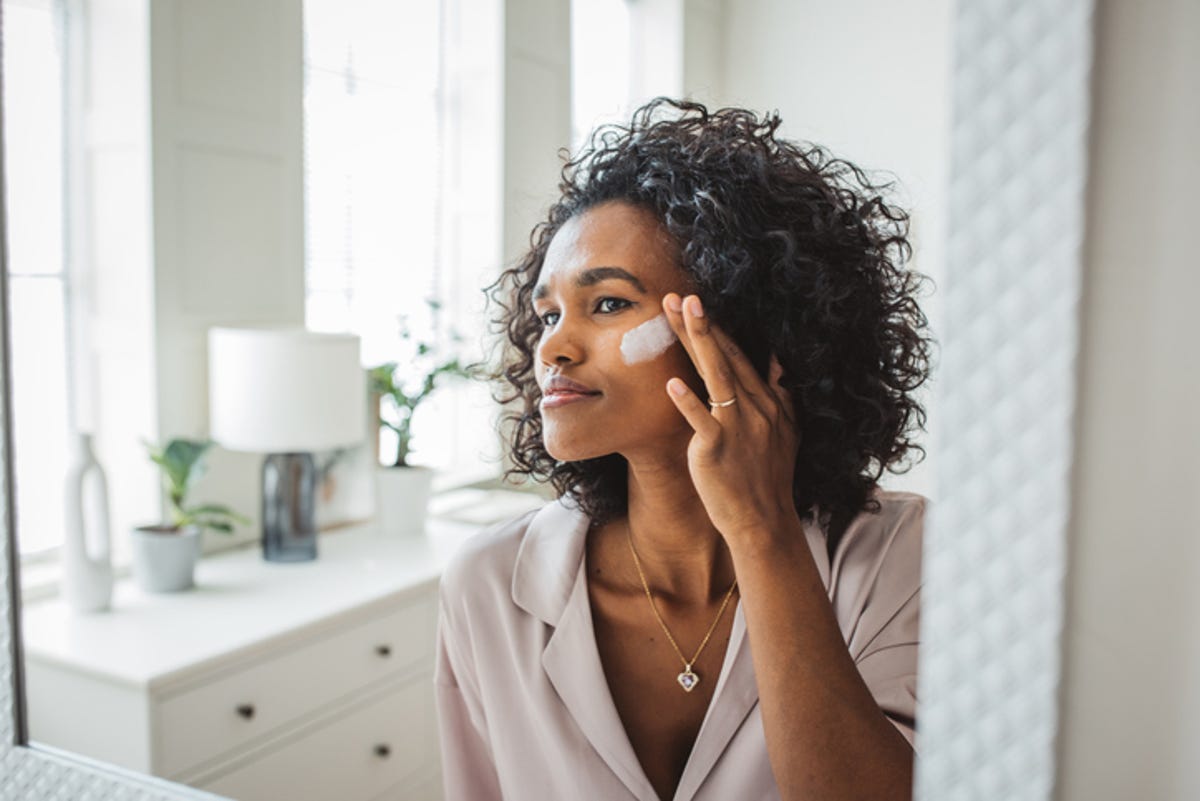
point(696, 307)
point(674, 303)
point(676, 386)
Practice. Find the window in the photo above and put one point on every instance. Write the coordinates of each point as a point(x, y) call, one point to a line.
point(375, 155)
point(382, 204)
point(37, 274)
point(601, 55)
point(371, 168)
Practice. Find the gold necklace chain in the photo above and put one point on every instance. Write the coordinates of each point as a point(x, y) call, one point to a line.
point(688, 678)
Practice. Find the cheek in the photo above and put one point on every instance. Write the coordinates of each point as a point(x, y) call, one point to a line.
point(650, 379)
point(647, 341)
point(677, 363)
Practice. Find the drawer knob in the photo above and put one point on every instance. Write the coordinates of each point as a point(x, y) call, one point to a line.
point(383, 650)
point(246, 710)
point(382, 750)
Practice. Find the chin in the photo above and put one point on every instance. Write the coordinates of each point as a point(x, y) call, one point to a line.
point(572, 454)
point(574, 444)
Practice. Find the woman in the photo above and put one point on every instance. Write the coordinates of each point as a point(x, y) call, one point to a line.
point(714, 353)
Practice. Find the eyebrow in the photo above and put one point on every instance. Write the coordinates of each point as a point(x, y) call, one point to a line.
point(594, 275)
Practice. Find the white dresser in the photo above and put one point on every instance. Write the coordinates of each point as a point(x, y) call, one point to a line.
point(309, 681)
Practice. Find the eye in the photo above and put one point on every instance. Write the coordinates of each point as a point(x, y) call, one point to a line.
point(605, 305)
point(624, 303)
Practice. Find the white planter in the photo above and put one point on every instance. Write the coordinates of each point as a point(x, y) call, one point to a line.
point(402, 499)
point(164, 560)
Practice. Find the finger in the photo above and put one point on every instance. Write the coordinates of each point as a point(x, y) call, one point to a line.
point(719, 377)
point(694, 411)
point(673, 309)
point(748, 381)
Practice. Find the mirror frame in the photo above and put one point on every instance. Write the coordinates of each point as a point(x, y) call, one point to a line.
point(993, 563)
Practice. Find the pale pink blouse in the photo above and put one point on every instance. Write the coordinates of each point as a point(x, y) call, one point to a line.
point(524, 709)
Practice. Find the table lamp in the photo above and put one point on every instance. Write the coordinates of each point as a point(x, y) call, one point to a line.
point(287, 393)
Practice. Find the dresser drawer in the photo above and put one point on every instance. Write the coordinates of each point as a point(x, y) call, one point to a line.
point(230, 710)
point(380, 747)
point(428, 788)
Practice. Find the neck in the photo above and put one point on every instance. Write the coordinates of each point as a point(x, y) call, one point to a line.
point(682, 554)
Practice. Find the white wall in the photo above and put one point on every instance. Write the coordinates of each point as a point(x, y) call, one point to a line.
point(536, 111)
point(192, 175)
point(870, 80)
point(190, 191)
point(1131, 692)
point(226, 91)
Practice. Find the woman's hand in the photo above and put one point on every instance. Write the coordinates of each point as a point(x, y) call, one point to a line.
point(742, 457)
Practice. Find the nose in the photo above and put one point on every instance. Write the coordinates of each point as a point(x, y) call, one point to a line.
point(559, 343)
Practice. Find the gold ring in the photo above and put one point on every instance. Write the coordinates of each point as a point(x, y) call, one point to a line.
point(730, 402)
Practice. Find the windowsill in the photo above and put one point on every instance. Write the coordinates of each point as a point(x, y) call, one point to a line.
point(39, 581)
point(480, 503)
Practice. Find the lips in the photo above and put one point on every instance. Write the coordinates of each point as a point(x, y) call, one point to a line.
point(560, 390)
point(563, 398)
point(557, 384)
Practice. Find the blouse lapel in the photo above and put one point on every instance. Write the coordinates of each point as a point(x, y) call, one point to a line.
point(572, 662)
point(737, 689)
point(735, 695)
point(549, 582)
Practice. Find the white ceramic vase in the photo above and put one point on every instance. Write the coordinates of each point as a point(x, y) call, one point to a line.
point(164, 560)
point(87, 555)
point(402, 499)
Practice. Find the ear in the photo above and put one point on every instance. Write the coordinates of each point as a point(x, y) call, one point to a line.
point(776, 371)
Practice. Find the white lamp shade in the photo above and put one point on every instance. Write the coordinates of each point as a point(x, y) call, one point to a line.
point(285, 390)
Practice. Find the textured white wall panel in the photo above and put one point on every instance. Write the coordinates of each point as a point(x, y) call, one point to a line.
point(995, 548)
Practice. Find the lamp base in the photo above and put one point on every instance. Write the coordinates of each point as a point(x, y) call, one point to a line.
point(289, 489)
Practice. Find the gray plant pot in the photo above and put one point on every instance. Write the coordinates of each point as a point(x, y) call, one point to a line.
point(164, 559)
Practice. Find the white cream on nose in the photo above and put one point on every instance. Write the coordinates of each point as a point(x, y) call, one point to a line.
point(647, 340)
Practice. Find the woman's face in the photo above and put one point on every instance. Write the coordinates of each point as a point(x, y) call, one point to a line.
point(605, 273)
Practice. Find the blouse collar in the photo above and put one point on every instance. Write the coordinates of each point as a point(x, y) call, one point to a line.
point(552, 548)
point(548, 559)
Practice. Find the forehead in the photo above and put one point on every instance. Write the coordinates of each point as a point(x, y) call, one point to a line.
point(612, 234)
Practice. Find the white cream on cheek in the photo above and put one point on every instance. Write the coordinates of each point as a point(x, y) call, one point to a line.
point(647, 340)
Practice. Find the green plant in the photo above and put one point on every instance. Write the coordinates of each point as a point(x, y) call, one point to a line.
point(182, 463)
point(388, 382)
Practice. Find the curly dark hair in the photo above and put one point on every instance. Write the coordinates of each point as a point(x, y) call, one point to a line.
point(793, 252)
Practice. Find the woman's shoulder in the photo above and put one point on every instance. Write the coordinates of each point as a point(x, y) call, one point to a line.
point(887, 544)
point(482, 566)
point(898, 509)
point(523, 566)
point(903, 509)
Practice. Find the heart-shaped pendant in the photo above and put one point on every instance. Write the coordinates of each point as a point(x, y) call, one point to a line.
point(688, 680)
